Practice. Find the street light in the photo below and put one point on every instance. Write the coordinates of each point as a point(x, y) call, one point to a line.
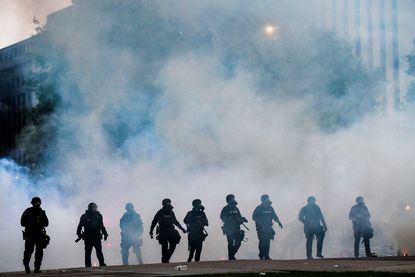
point(270, 29)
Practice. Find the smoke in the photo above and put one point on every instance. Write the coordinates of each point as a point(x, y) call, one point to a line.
point(194, 100)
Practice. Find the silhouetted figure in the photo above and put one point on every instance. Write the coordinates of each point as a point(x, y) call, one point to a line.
point(196, 221)
point(91, 229)
point(167, 235)
point(263, 216)
point(359, 215)
point(314, 226)
point(232, 221)
point(131, 231)
point(34, 220)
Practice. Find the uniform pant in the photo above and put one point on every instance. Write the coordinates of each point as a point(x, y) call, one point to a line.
point(264, 245)
point(357, 238)
point(93, 243)
point(195, 246)
point(234, 242)
point(125, 248)
point(168, 240)
point(30, 243)
point(167, 249)
point(310, 234)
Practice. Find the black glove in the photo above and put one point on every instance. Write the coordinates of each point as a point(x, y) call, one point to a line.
point(244, 220)
point(280, 224)
point(151, 234)
point(105, 237)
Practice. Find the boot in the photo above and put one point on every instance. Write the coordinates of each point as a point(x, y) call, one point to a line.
point(26, 267)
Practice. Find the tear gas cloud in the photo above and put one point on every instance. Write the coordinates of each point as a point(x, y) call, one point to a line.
point(187, 100)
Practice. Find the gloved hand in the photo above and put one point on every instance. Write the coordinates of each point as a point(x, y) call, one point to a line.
point(105, 237)
point(151, 234)
point(184, 231)
point(244, 220)
point(280, 224)
point(324, 228)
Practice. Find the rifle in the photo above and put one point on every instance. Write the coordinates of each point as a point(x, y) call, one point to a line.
point(243, 224)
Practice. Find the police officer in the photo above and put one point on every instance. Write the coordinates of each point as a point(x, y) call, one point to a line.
point(196, 221)
point(263, 216)
point(232, 221)
point(167, 235)
point(359, 215)
point(91, 228)
point(314, 226)
point(131, 231)
point(34, 220)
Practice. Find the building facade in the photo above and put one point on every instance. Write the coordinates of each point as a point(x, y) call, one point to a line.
point(16, 65)
point(17, 62)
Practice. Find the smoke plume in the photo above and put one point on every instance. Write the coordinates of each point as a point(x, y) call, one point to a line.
point(200, 99)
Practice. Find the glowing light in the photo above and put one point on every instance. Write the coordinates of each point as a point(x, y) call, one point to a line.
point(407, 208)
point(270, 29)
